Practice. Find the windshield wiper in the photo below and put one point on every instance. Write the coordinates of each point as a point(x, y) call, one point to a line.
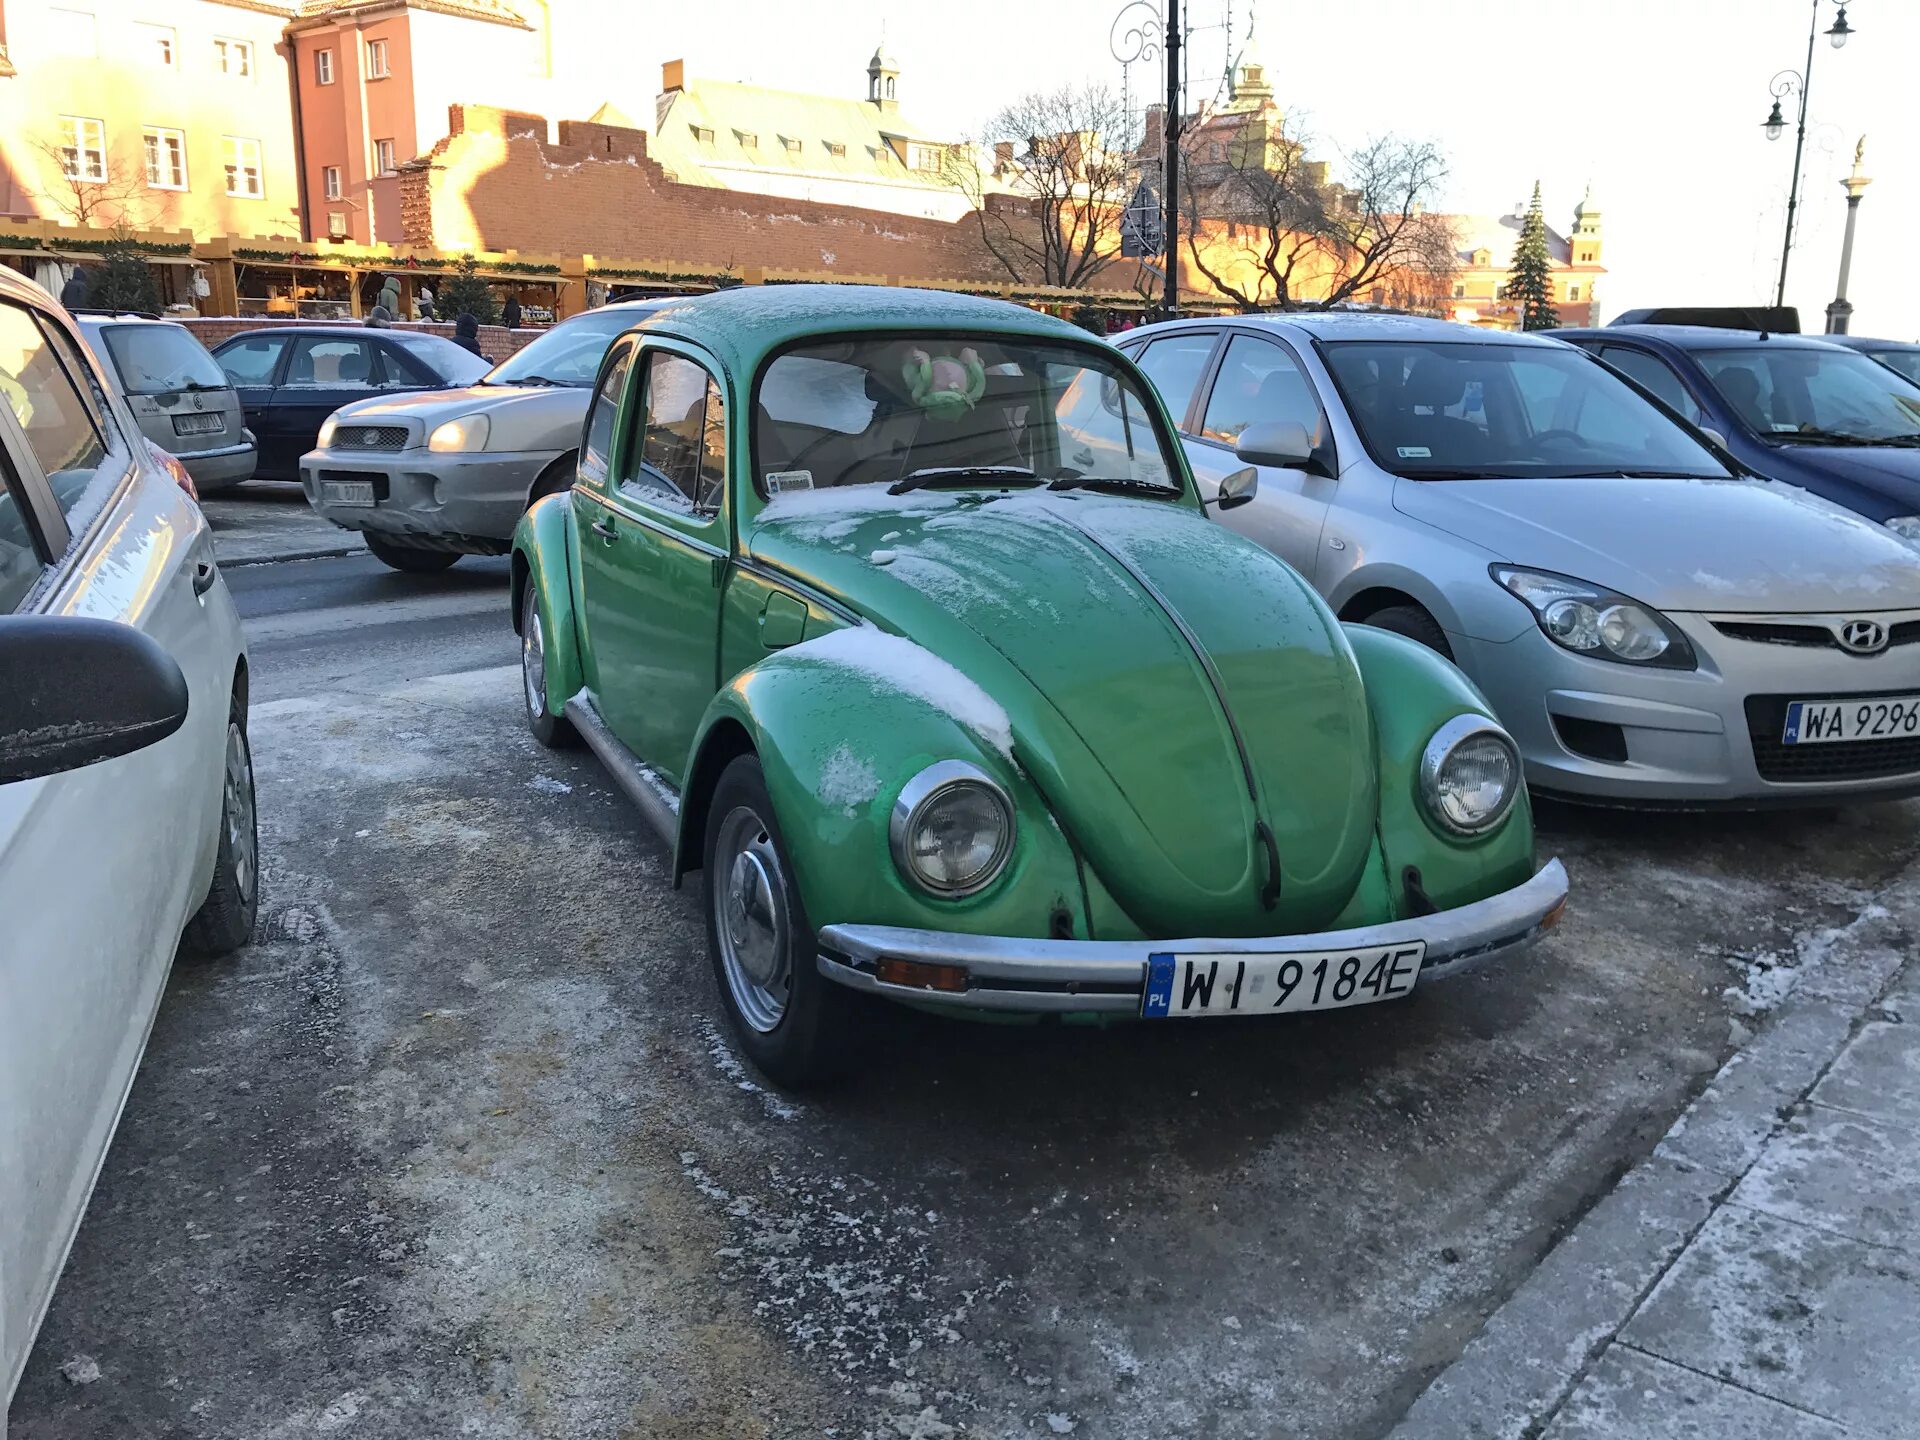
point(942, 474)
point(1110, 482)
point(1822, 437)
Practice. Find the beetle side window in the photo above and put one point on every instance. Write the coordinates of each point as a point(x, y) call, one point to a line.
point(61, 420)
point(1655, 374)
point(596, 451)
point(1258, 383)
point(683, 436)
point(1174, 365)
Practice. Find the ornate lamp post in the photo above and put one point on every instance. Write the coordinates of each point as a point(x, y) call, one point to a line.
point(1790, 82)
point(1840, 312)
point(1140, 34)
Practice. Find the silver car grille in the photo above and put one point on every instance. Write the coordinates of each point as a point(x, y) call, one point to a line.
point(1821, 633)
point(373, 438)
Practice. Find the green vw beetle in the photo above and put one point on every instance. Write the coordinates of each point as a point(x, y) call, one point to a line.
point(897, 614)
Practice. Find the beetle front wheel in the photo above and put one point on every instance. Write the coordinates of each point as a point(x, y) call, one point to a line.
point(790, 1019)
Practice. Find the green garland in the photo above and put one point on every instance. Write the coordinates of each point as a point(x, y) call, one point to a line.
point(669, 277)
point(97, 247)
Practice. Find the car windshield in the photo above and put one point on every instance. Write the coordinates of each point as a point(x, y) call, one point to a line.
point(1457, 410)
point(568, 354)
point(922, 410)
point(1907, 362)
point(451, 362)
point(1819, 394)
point(154, 359)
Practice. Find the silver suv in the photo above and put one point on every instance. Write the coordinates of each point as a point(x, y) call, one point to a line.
point(179, 395)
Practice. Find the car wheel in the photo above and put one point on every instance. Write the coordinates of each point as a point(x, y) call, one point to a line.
point(556, 479)
point(410, 558)
point(224, 921)
point(556, 732)
point(1414, 623)
point(791, 1020)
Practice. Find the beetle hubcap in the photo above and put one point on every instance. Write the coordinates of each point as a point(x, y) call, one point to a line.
point(237, 807)
point(533, 660)
point(750, 920)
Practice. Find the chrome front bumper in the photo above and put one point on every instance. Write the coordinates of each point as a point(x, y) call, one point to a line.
point(1008, 973)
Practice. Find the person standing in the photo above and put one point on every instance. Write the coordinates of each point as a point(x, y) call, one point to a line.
point(510, 312)
point(73, 294)
point(466, 332)
point(423, 296)
point(390, 295)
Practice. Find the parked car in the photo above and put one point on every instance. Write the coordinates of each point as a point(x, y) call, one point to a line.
point(1649, 627)
point(1896, 354)
point(1789, 407)
point(290, 378)
point(177, 393)
point(897, 614)
point(430, 477)
point(126, 784)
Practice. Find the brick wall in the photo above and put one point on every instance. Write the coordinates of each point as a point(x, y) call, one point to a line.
point(496, 341)
point(493, 185)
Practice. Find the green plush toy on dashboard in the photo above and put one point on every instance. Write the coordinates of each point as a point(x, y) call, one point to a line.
point(945, 386)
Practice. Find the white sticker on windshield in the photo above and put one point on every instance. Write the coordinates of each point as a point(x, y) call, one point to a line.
point(1780, 427)
point(1415, 452)
point(779, 482)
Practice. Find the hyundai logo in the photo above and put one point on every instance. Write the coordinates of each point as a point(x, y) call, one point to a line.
point(369, 437)
point(1863, 637)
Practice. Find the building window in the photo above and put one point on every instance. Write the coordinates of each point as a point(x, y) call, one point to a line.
point(383, 157)
point(232, 57)
point(156, 42)
point(83, 148)
point(1460, 292)
point(166, 158)
point(377, 60)
point(323, 67)
point(746, 140)
point(924, 157)
point(330, 182)
point(834, 147)
point(1573, 292)
point(337, 224)
point(702, 134)
point(790, 143)
point(243, 167)
point(71, 32)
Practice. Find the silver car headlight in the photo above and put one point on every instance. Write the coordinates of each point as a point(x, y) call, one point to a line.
point(469, 432)
point(1469, 775)
point(1907, 527)
point(951, 829)
point(325, 437)
point(1595, 621)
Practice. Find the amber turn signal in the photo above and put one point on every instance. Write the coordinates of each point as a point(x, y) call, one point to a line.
point(917, 975)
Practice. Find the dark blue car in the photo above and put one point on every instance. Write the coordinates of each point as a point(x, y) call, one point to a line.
point(1790, 407)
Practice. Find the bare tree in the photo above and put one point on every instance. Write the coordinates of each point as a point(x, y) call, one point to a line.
point(1049, 204)
point(114, 194)
point(1296, 237)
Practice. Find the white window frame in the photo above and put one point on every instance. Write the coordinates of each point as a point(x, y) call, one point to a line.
point(330, 181)
point(75, 133)
point(383, 158)
point(323, 67)
point(153, 142)
point(233, 157)
point(163, 36)
point(377, 60)
point(229, 48)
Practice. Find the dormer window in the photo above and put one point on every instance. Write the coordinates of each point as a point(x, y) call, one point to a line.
point(702, 133)
point(835, 148)
point(790, 143)
point(746, 139)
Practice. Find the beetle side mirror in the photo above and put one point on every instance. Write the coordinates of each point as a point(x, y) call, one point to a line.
point(1237, 489)
point(81, 691)
point(1283, 444)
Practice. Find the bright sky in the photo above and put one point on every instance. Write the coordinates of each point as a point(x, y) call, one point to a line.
point(1657, 102)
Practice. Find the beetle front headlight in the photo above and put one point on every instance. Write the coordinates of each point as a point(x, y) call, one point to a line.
point(951, 829)
point(1469, 775)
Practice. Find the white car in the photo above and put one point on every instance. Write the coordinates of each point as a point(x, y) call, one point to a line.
point(126, 784)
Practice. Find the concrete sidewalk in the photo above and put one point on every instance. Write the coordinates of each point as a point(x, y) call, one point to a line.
point(1759, 1273)
point(265, 521)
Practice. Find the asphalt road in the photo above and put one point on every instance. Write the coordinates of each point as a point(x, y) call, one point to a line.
point(459, 1147)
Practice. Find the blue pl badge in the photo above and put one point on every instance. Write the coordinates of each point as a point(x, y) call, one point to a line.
point(1159, 987)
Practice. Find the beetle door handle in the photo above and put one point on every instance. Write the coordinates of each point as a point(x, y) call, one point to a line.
point(204, 574)
point(604, 529)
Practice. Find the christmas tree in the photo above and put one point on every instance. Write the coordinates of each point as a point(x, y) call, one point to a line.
point(465, 292)
point(1530, 281)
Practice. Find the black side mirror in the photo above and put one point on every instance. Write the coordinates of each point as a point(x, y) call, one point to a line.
point(1236, 490)
point(81, 691)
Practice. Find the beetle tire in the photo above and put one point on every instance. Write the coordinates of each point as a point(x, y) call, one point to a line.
point(225, 920)
point(1414, 623)
point(556, 732)
point(409, 558)
point(811, 1043)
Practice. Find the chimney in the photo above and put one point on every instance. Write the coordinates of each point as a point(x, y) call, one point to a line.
point(673, 76)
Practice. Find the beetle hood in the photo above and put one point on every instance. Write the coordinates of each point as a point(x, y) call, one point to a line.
point(1151, 665)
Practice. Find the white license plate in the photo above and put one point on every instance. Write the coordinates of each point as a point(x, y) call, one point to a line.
point(1186, 987)
point(1882, 717)
point(347, 492)
point(198, 424)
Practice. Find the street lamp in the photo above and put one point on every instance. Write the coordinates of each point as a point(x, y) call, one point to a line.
point(1140, 34)
point(1795, 82)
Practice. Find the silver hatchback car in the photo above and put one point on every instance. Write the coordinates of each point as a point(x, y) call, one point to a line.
point(180, 397)
point(1649, 626)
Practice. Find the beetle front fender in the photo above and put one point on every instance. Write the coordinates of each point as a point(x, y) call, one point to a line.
point(1412, 692)
point(836, 755)
point(543, 558)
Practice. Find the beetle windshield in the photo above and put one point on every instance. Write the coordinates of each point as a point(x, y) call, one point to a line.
point(1820, 395)
point(913, 411)
point(1449, 410)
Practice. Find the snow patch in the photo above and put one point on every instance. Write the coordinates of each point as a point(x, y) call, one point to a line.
point(728, 1064)
point(80, 1370)
point(847, 782)
point(1766, 977)
point(547, 785)
point(897, 664)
